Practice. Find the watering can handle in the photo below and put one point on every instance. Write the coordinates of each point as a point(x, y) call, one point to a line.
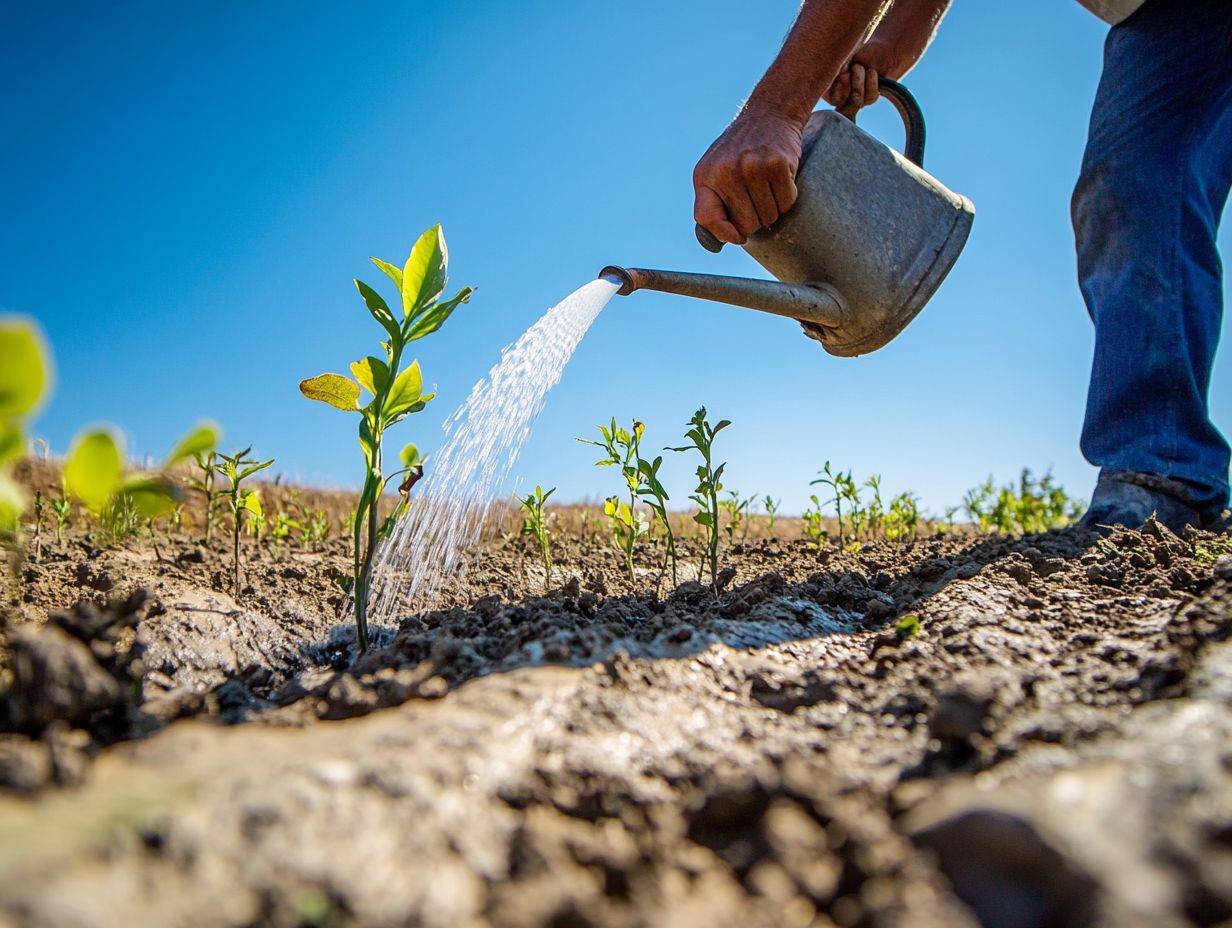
point(913, 147)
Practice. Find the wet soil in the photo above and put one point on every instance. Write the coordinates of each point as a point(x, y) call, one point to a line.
point(1052, 747)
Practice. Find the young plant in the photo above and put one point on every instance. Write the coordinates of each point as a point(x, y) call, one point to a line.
point(396, 392)
point(814, 523)
point(875, 512)
point(313, 529)
point(771, 505)
point(623, 451)
point(237, 468)
point(838, 483)
point(903, 519)
point(207, 462)
point(536, 524)
point(62, 507)
point(701, 435)
point(652, 492)
point(280, 531)
point(94, 475)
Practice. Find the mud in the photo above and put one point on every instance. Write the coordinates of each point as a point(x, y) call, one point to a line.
point(1053, 747)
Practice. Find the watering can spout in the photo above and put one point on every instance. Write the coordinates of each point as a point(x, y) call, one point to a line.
point(818, 304)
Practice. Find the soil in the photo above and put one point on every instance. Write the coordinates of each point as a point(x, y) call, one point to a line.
point(1052, 747)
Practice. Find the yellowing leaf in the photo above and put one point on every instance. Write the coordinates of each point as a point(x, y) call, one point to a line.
point(425, 273)
point(24, 372)
point(406, 390)
point(332, 389)
point(252, 502)
point(92, 471)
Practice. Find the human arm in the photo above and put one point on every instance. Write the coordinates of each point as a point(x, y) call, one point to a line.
point(900, 40)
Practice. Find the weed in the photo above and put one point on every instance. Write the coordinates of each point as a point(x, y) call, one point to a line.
point(237, 468)
point(701, 435)
point(396, 393)
point(1208, 554)
point(623, 449)
point(536, 524)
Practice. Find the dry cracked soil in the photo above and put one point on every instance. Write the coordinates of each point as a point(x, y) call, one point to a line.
point(1053, 747)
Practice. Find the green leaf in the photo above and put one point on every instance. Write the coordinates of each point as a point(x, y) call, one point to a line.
point(333, 389)
point(372, 374)
point(151, 496)
point(367, 441)
point(406, 390)
point(24, 370)
point(393, 272)
point(435, 317)
point(379, 308)
point(425, 273)
point(410, 456)
point(201, 440)
point(249, 471)
point(12, 504)
point(92, 471)
point(12, 443)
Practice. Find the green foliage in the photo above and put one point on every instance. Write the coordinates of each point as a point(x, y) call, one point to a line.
point(241, 501)
point(313, 528)
point(701, 435)
point(907, 627)
point(62, 507)
point(771, 506)
point(737, 510)
point(536, 524)
point(814, 523)
point(1029, 506)
point(650, 488)
point(280, 531)
point(623, 449)
point(25, 375)
point(94, 475)
point(395, 392)
point(842, 487)
point(903, 519)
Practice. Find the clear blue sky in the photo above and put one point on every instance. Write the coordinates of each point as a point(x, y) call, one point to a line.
point(186, 191)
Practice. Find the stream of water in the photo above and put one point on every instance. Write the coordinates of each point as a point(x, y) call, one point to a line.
point(483, 439)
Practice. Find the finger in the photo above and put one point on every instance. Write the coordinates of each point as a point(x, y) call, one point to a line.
point(740, 209)
point(872, 86)
point(709, 212)
point(839, 90)
point(755, 170)
point(856, 97)
point(783, 185)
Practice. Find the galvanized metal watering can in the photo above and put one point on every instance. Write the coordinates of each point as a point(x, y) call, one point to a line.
point(868, 242)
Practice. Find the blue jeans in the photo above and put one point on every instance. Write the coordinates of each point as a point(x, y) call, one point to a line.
point(1154, 180)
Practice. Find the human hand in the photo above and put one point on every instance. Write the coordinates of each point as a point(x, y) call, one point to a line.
point(747, 178)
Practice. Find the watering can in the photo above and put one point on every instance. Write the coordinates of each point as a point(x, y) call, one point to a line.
point(868, 242)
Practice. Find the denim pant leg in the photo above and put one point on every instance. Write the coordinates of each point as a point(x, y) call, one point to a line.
point(1154, 181)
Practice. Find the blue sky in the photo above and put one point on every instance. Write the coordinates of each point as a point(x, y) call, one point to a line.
point(186, 192)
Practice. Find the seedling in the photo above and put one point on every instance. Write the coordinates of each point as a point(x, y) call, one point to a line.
point(737, 511)
point(280, 531)
point(838, 484)
point(536, 524)
point(875, 512)
point(701, 435)
point(903, 519)
point(93, 474)
point(396, 393)
point(623, 451)
point(313, 529)
point(235, 469)
point(651, 490)
point(814, 528)
point(771, 505)
point(207, 462)
point(62, 506)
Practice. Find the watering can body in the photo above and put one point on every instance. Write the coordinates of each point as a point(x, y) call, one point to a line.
point(867, 243)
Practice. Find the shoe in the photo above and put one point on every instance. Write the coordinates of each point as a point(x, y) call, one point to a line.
point(1128, 498)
